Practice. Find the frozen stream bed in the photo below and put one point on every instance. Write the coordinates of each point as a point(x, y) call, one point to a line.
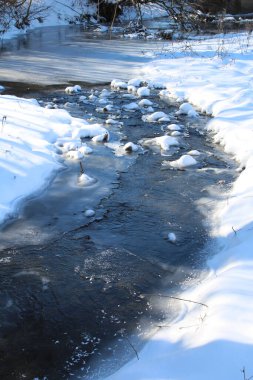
point(80, 294)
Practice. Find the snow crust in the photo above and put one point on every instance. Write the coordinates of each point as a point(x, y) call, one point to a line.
point(212, 339)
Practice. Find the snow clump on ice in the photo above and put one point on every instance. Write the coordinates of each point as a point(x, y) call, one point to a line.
point(104, 137)
point(89, 213)
point(172, 237)
point(145, 103)
point(143, 91)
point(85, 149)
point(85, 180)
point(131, 107)
point(156, 116)
point(174, 127)
point(118, 84)
point(165, 142)
point(184, 161)
point(136, 82)
point(73, 89)
point(194, 153)
point(130, 147)
point(187, 109)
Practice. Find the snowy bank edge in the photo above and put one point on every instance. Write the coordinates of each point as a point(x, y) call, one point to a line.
point(218, 332)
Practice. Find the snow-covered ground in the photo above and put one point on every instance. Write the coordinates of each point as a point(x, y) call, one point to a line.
point(213, 341)
point(33, 142)
point(55, 13)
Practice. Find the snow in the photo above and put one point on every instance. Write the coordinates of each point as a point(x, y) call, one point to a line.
point(131, 147)
point(131, 107)
point(174, 127)
point(194, 152)
point(187, 109)
point(34, 141)
point(211, 339)
point(143, 91)
point(172, 237)
point(118, 84)
point(165, 142)
point(89, 213)
point(73, 89)
point(145, 103)
point(156, 116)
point(84, 130)
point(103, 137)
point(135, 82)
point(183, 162)
point(85, 180)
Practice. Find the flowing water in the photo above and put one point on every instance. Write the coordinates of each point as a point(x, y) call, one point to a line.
point(79, 295)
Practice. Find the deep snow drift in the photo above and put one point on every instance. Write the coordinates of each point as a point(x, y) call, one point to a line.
point(213, 340)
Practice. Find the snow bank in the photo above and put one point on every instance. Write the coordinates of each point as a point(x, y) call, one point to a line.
point(213, 339)
point(30, 139)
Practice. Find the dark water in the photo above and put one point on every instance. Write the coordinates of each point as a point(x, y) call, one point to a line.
point(78, 295)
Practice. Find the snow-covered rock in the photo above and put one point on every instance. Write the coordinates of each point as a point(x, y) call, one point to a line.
point(136, 82)
point(73, 89)
point(74, 155)
point(85, 180)
point(194, 153)
point(131, 107)
point(145, 103)
point(165, 142)
point(156, 116)
point(183, 162)
point(131, 147)
point(87, 131)
point(132, 89)
point(143, 91)
point(172, 237)
point(85, 149)
point(104, 137)
point(174, 127)
point(118, 84)
point(187, 109)
point(89, 213)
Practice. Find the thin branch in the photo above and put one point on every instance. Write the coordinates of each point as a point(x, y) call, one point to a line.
point(178, 298)
point(136, 353)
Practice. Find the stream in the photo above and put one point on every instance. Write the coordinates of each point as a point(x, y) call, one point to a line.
point(80, 295)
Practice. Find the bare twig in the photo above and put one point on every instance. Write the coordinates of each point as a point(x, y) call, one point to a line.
point(136, 353)
point(178, 298)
